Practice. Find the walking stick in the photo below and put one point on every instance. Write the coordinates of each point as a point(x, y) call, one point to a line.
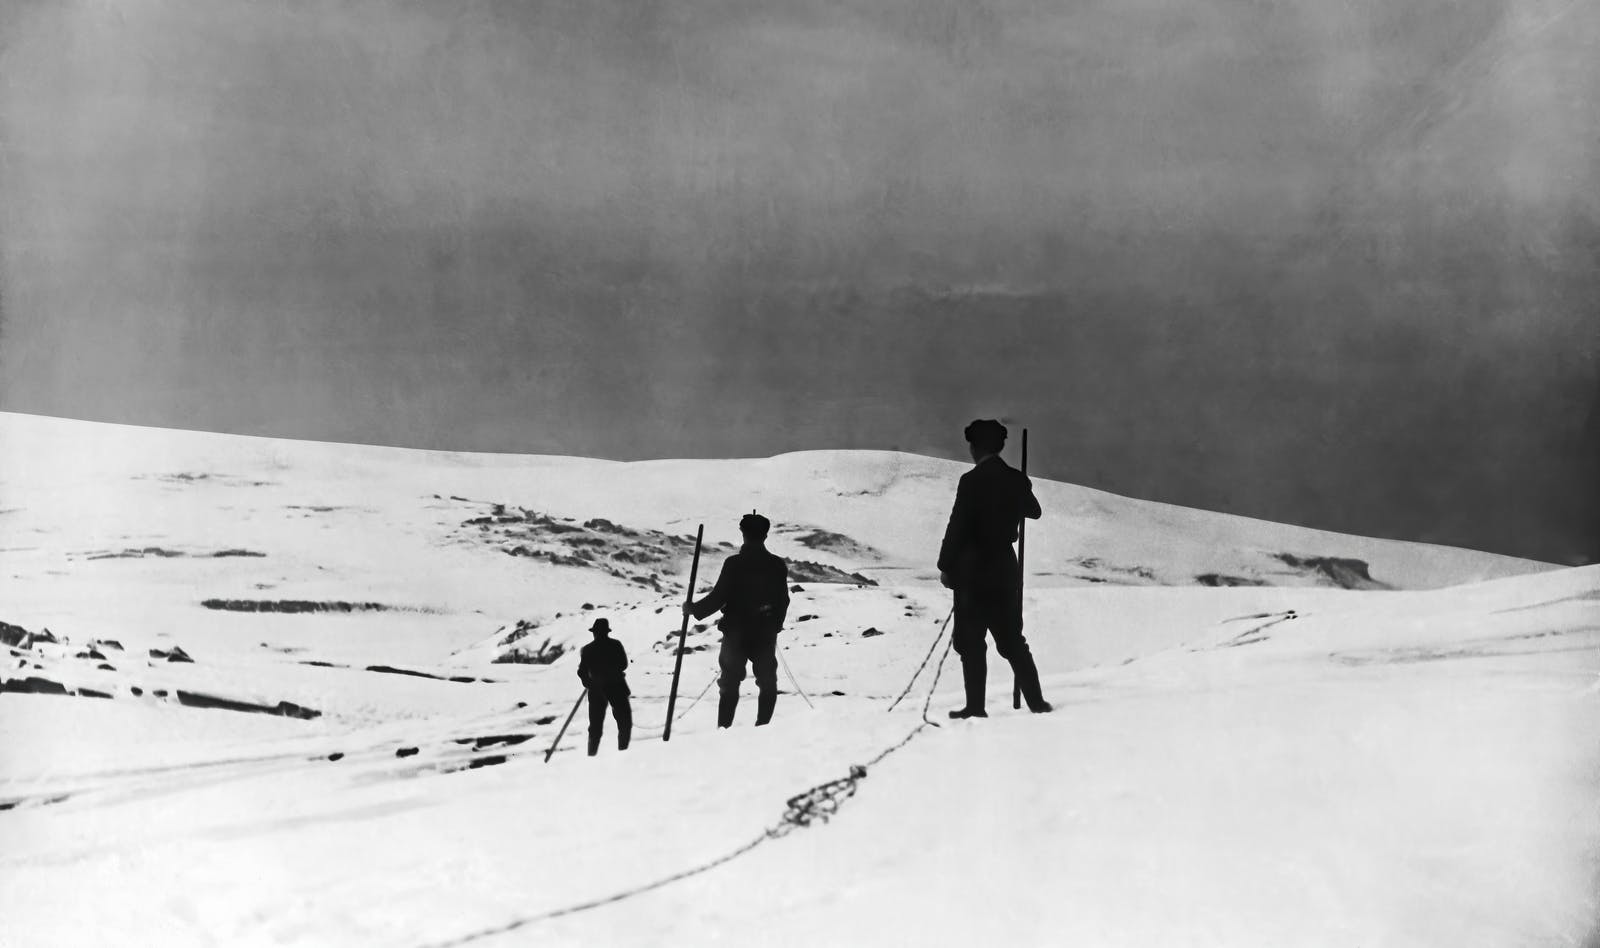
point(1022, 545)
point(683, 633)
point(563, 732)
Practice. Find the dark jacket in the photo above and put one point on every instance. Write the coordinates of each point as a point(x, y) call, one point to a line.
point(752, 591)
point(991, 499)
point(600, 667)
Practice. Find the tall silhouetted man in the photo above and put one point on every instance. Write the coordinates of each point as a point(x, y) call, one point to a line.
point(977, 562)
point(601, 668)
point(752, 592)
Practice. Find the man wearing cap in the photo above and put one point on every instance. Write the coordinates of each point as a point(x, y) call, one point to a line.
point(977, 562)
point(752, 592)
point(601, 666)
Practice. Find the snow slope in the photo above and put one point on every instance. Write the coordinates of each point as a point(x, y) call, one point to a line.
point(343, 760)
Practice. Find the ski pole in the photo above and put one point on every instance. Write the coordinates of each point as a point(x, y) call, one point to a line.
point(683, 633)
point(1022, 545)
point(790, 672)
point(563, 732)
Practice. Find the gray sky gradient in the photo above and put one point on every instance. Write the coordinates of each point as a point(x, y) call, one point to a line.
point(1333, 264)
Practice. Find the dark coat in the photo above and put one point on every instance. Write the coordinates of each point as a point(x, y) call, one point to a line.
point(601, 666)
point(991, 499)
point(752, 591)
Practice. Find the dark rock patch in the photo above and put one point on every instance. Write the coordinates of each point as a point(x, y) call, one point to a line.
point(510, 740)
point(294, 605)
point(175, 654)
point(91, 693)
point(1219, 579)
point(809, 572)
point(827, 541)
point(869, 633)
point(545, 654)
point(1344, 572)
point(336, 755)
point(406, 752)
point(390, 670)
point(196, 699)
point(106, 666)
point(138, 554)
point(486, 761)
point(33, 685)
point(522, 630)
point(18, 637)
point(226, 553)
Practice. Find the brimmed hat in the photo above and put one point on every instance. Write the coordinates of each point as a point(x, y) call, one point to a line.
point(600, 625)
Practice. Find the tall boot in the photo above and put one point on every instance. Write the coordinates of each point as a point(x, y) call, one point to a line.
point(1028, 683)
point(726, 707)
point(766, 701)
point(624, 716)
point(594, 743)
point(974, 675)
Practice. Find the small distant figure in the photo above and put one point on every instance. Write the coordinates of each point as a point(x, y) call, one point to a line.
point(976, 561)
point(602, 668)
point(752, 593)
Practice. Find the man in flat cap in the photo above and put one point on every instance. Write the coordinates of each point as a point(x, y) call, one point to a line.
point(601, 668)
point(752, 592)
point(977, 562)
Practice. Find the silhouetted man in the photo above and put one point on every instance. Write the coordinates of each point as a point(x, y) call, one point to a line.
point(977, 562)
point(753, 594)
point(601, 668)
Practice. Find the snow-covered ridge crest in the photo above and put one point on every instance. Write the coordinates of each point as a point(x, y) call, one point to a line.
point(889, 503)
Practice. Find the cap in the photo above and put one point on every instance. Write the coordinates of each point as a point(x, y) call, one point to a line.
point(986, 433)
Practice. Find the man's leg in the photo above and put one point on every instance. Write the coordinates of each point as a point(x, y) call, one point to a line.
point(622, 710)
point(597, 720)
point(968, 640)
point(764, 663)
point(1003, 609)
point(730, 662)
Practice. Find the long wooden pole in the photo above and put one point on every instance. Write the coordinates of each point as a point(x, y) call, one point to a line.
point(1022, 546)
point(683, 633)
point(563, 732)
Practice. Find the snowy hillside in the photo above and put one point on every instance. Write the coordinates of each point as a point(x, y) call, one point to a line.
point(268, 692)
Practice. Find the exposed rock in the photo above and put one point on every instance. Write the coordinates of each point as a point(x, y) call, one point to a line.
point(292, 605)
point(1218, 579)
point(33, 685)
point(17, 636)
point(807, 571)
point(195, 699)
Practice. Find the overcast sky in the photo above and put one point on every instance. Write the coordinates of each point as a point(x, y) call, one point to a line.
point(1332, 264)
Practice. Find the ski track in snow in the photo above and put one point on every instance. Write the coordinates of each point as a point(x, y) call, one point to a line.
point(1289, 763)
